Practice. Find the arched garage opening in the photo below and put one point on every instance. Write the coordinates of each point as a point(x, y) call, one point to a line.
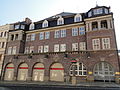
point(22, 72)
point(38, 72)
point(9, 72)
point(57, 72)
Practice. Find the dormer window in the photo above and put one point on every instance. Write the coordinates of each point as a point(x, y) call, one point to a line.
point(77, 18)
point(32, 26)
point(45, 24)
point(60, 21)
point(106, 11)
point(22, 26)
point(90, 14)
point(17, 26)
point(98, 11)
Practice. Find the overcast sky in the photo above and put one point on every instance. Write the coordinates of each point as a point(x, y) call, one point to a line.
point(16, 10)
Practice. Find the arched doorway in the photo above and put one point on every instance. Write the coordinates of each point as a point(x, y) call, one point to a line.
point(104, 71)
point(22, 72)
point(57, 72)
point(9, 72)
point(38, 72)
point(80, 69)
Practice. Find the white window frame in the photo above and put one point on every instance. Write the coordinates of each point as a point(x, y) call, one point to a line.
point(33, 37)
point(63, 33)
point(106, 43)
point(46, 48)
point(40, 49)
point(81, 30)
point(57, 34)
point(60, 21)
point(75, 31)
point(62, 47)
point(77, 18)
point(47, 35)
point(9, 50)
point(96, 44)
point(31, 49)
point(14, 49)
point(26, 50)
point(32, 26)
point(74, 46)
point(82, 45)
point(45, 24)
point(41, 35)
point(56, 48)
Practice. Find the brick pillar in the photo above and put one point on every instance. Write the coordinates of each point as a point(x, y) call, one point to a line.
point(90, 77)
point(46, 78)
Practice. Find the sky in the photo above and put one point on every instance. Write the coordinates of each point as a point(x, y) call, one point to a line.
point(17, 10)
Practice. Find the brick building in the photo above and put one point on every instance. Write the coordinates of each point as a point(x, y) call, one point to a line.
point(64, 45)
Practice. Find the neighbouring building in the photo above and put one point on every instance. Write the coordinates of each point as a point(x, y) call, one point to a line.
point(64, 45)
point(4, 29)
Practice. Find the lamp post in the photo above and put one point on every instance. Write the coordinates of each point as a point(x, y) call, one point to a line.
point(73, 77)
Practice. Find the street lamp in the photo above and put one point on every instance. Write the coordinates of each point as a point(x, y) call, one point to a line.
point(73, 77)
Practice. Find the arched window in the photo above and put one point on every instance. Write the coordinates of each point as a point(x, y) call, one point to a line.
point(45, 23)
point(77, 18)
point(103, 71)
point(32, 26)
point(60, 21)
point(9, 72)
point(79, 68)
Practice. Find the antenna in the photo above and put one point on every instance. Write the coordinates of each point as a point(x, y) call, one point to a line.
point(96, 3)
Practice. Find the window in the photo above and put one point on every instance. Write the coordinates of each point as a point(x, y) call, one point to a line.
point(82, 46)
point(16, 36)
point(41, 35)
point(31, 49)
point(94, 25)
point(74, 31)
point(22, 26)
point(96, 44)
point(47, 35)
point(28, 37)
point(1, 34)
point(74, 46)
point(33, 37)
point(106, 43)
point(57, 34)
point(63, 47)
point(56, 48)
point(40, 49)
point(77, 18)
point(63, 33)
point(81, 30)
point(104, 24)
point(45, 24)
point(9, 50)
point(98, 11)
point(26, 50)
point(46, 48)
point(32, 26)
point(60, 21)
point(5, 34)
point(12, 37)
point(80, 69)
point(14, 50)
point(90, 14)
point(17, 26)
point(3, 44)
point(106, 11)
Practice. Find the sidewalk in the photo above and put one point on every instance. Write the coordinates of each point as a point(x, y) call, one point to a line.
point(82, 84)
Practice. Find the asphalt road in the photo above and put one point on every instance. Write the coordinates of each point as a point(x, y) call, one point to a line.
point(40, 87)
